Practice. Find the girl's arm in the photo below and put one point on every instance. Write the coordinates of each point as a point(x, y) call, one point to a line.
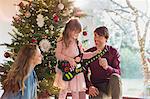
point(60, 56)
point(87, 55)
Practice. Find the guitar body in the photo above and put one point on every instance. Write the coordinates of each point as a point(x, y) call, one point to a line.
point(69, 72)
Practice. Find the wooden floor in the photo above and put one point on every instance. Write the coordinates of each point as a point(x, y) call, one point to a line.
point(131, 98)
point(69, 97)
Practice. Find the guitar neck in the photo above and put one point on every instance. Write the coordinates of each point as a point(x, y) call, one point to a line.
point(95, 57)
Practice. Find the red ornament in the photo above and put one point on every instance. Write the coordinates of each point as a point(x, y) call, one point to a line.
point(55, 18)
point(84, 33)
point(34, 40)
point(7, 54)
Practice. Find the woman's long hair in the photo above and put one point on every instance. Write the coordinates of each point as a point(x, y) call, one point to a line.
point(20, 69)
point(72, 25)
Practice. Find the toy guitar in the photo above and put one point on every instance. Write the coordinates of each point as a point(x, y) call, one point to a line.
point(69, 73)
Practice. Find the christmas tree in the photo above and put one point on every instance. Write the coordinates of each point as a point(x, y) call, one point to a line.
point(40, 22)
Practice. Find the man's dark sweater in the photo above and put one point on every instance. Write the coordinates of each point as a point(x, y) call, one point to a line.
point(100, 75)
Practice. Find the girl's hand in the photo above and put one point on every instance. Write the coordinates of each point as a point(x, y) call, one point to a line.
point(72, 62)
point(95, 53)
point(78, 59)
point(98, 51)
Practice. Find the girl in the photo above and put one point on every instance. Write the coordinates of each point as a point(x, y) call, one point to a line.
point(21, 81)
point(67, 49)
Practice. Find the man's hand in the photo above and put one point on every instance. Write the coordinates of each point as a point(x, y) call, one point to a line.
point(93, 91)
point(103, 62)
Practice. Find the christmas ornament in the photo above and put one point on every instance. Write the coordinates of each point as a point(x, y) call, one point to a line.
point(7, 54)
point(34, 40)
point(27, 14)
point(40, 20)
point(45, 45)
point(61, 6)
point(55, 18)
point(84, 33)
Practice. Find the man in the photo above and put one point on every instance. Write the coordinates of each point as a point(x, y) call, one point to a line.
point(104, 79)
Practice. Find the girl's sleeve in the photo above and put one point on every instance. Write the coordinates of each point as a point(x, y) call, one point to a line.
point(86, 55)
point(59, 55)
point(81, 48)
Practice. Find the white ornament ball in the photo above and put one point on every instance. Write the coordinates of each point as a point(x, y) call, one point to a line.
point(40, 20)
point(40, 23)
point(61, 6)
point(40, 16)
point(45, 45)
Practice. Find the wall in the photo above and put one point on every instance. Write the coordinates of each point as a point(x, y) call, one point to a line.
point(7, 10)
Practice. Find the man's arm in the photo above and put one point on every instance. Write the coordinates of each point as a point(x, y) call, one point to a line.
point(87, 80)
point(92, 91)
point(115, 68)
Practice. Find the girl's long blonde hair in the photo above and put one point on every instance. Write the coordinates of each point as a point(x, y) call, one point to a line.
point(71, 25)
point(20, 69)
